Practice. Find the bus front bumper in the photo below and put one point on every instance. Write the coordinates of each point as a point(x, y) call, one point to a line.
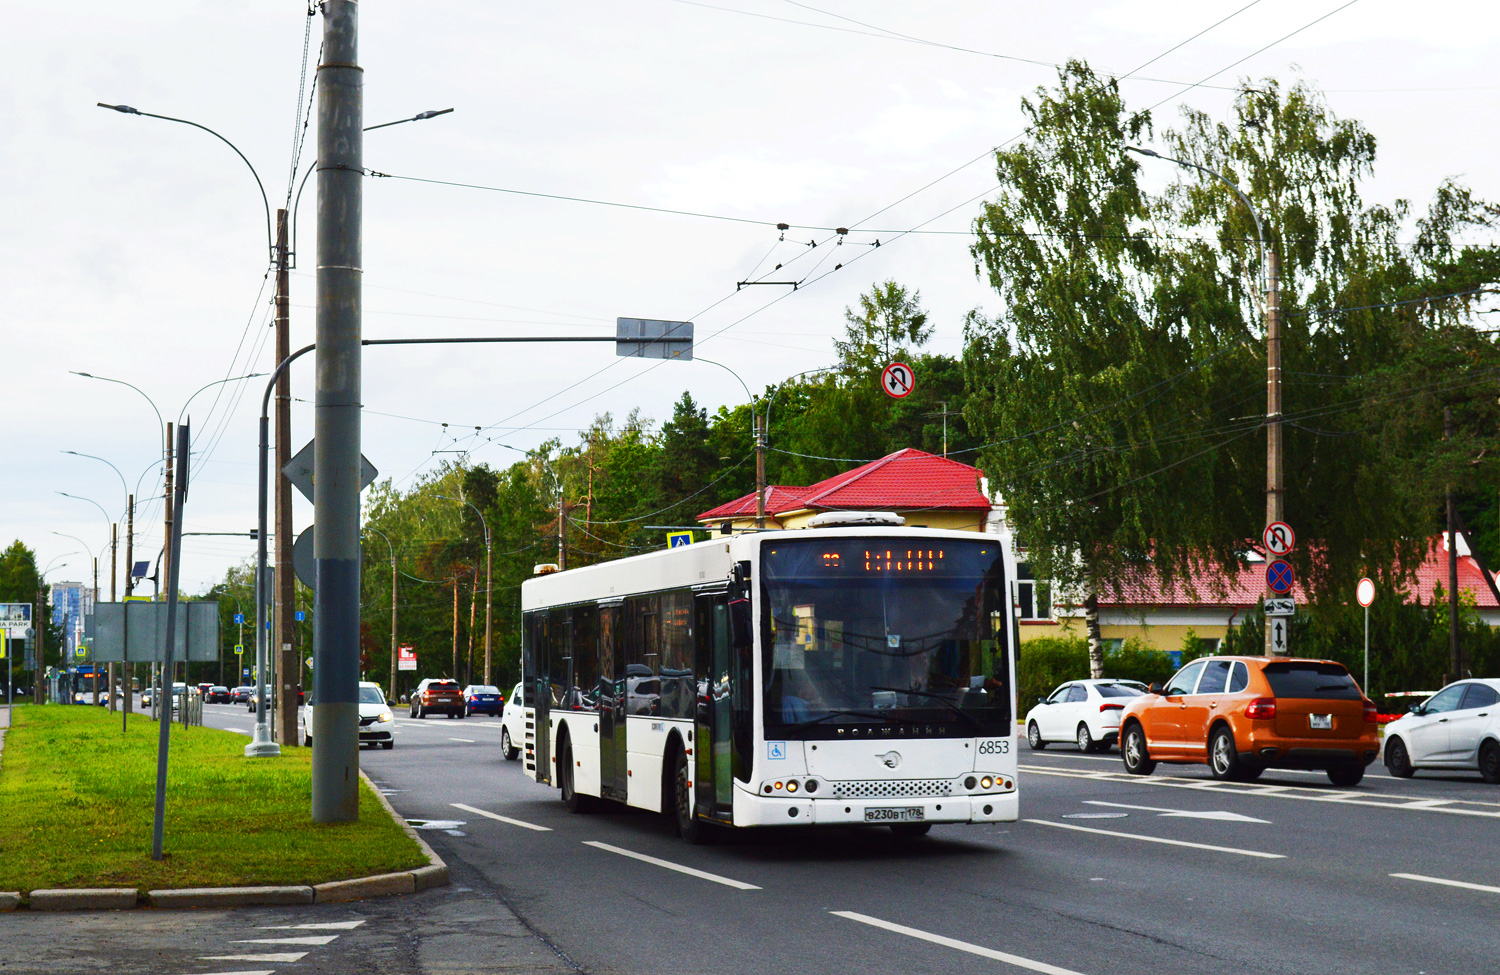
point(753, 810)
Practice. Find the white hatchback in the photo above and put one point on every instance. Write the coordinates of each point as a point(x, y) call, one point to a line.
point(1456, 728)
point(512, 725)
point(1083, 711)
point(377, 726)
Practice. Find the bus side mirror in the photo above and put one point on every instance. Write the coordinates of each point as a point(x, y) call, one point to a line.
point(741, 633)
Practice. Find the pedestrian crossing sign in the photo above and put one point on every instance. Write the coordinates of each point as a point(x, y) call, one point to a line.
point(239, 649)
point(679, 539)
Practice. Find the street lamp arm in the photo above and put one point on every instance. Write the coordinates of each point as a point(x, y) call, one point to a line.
point(216, 382)
point(742, 385)
point(123, 485)
point(1260, 234)
point(160, 423)
point(265, 202)
point(471, 504)
point(91, 501)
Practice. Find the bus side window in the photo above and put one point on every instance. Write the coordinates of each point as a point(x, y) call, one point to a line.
point(585, 657)
point(559, 654)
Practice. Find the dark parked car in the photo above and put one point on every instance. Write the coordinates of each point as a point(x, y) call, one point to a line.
point(218, 694)
point(483, 699)
point(241, 694)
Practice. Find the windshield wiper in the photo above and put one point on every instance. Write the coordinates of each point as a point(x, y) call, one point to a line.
point(941, 700)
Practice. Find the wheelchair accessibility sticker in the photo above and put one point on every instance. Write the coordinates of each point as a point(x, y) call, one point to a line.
point(775, 750)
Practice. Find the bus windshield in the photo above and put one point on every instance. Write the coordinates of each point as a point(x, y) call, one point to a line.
point(875, 636)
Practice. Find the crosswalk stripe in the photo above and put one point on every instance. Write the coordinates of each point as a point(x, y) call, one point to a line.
point(316, 940)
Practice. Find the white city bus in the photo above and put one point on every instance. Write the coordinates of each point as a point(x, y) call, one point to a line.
point(807, 677)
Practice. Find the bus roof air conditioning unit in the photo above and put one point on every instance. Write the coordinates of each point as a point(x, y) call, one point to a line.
point(545, 568)
point(856, 519)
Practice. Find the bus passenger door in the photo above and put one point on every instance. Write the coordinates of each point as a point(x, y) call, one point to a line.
point(539, 694)
point(711, 667)
point(611, 703)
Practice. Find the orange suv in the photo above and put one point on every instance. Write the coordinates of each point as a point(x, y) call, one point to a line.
point(1243, 715)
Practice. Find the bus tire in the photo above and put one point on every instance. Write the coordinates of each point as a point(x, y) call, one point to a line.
point(689, 827)
point(576, 802)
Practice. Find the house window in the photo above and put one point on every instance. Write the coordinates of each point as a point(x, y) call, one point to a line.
point(1208, 646)
point(1035, 597)
point(1113, 643)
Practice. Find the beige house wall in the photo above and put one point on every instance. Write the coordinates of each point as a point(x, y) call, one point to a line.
point(1164, 636)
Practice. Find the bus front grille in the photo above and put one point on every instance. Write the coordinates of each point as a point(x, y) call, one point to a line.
point(890, 788)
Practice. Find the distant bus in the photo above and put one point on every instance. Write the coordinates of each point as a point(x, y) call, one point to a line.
point(83, 678)
point(850, 675)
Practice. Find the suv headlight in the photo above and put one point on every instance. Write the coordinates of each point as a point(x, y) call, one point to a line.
point(385, 716)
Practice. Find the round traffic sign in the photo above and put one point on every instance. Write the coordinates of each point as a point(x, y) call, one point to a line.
point(1279, 576)
point(1279, 538)
point(898, 380)
point(1365, 592)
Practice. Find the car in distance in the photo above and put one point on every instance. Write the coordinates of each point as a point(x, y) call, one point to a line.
point(437, 695)
point(218, 694)
point(241, 694)
point(1243, 715)
point(1083, 711)
point(377, 726)
point(483, 699)
point(1456, 728)
point(512, 726)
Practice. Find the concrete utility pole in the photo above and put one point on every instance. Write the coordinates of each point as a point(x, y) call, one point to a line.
point(164, 565)
point(286, 661)
point(1275, 484)
point(562, 528)
point(114, 570)
point(127, 678)
point(336, 457)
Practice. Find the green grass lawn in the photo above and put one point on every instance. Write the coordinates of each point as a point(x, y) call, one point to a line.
point(77, 796)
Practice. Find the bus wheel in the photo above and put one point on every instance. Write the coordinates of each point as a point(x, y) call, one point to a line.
point(576, 803)
point(689, 827)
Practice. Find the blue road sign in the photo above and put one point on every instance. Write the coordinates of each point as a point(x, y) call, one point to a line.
point(679, 539)
point(1279, 576)
point(239, 617)
point(301, 616)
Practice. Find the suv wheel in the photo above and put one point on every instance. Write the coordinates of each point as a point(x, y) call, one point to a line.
point(1133, 752)
point(1223, 758)
point(1034, 737)
point(1346, 775)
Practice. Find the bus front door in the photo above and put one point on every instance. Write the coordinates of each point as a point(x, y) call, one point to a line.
point(714, 792)
point(538, 692)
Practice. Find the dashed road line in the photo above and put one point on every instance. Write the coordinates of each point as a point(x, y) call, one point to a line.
point(669, 865)
point(286, 956)
point(466, 741)
point(1453, 807)
point(499, 818)
point(1160, 839)
point(322, 926)
point(973, 949)
point(314, 940)
point(1448, 883)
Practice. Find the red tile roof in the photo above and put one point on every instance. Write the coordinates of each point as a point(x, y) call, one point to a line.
point(1246, 587)
point(908, 479)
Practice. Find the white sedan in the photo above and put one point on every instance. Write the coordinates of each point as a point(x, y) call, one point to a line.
point(1083, 711)
point(512, 726)
point(1456, 728)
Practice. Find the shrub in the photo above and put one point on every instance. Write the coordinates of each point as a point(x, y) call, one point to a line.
point(1044, 663)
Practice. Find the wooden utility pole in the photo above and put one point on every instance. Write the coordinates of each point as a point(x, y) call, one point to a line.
point(760, 470)
point(284, 727)
point(473, 615)
point(455, 624)
point(562, 529)
point(1275, 484)
point(1455, 652)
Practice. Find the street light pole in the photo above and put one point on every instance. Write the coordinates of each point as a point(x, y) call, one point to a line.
point(1271, 282)
point(488, 619)
point(393, 607)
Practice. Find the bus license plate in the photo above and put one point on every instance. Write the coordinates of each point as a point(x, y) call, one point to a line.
point(906, 814)
point(1320, 721)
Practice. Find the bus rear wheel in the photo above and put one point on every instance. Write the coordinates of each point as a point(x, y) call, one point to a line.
point(571, 798)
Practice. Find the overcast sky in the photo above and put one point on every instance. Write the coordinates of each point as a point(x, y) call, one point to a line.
point(136, 249)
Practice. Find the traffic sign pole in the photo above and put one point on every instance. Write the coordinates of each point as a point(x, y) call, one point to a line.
point(1365, 593)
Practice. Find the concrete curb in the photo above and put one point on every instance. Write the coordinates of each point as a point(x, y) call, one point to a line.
point(435, 874)
point(85, 899)
point(229, 896)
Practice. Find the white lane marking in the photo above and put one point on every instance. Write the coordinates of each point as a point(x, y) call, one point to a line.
point(287, 956)
point(259, 971)
point(1375, 800)
point(1448, 883)
point(314, 940)
point(668, 864)
point(238, 731)
point(499, 818)
point(937, 939)
point(466, 741)
point(1218, 815)
point(1426, 803)
point(324, 926)
point(1161, 839)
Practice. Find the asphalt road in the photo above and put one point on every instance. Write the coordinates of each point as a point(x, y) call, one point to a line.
point(1105, 873)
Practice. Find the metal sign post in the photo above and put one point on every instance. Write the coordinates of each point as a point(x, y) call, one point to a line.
point(1365, 593)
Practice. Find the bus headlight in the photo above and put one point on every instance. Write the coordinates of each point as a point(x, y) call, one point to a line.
point(791, 786)
point(986, 782)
